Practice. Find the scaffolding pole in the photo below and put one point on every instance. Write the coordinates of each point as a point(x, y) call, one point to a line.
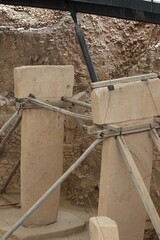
point(8, 135)
point(76, 102)
point(59, 110)
point(4, 186)
point(9, 122)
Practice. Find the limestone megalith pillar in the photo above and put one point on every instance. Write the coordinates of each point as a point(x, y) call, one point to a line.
point(120, 106)
point(42, 134)
point(118, 197)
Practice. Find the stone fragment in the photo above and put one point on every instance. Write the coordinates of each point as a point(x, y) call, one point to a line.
point(42, 138)
point(103, 228)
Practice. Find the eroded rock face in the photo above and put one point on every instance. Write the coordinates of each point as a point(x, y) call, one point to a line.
point(37, 36)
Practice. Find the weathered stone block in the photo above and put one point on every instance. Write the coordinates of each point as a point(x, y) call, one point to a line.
point(103, 228)
point(127, 102)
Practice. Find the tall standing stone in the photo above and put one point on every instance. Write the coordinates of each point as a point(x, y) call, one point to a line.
point(42, 137)
point(125, 104)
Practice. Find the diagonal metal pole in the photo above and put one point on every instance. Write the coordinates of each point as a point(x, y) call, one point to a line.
point(84, 49)
point(76, 102)
point(4, 186)
point(139, 184)
point(59, 110)
point(51, 190)
point(8, 135)
point(84, 138)
point(9, 122)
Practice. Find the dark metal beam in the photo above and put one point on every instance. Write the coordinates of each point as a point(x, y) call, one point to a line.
point(138, 10)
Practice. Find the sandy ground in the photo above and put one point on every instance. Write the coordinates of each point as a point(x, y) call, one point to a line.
point(83, 213)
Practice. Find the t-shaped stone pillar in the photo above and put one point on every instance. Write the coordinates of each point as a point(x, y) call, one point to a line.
point(42, 137)
point(125, 104)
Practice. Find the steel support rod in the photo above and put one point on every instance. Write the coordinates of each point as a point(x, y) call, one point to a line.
point(84, 49)
point(139, 184)
point(85, 140)
point(86, 54)
point(4, 186)
point(59, 110)
point(106, 83)
point(8, 135)
point(51, 190)
point(9, 122)
point(126, 130)
point(76, 102)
